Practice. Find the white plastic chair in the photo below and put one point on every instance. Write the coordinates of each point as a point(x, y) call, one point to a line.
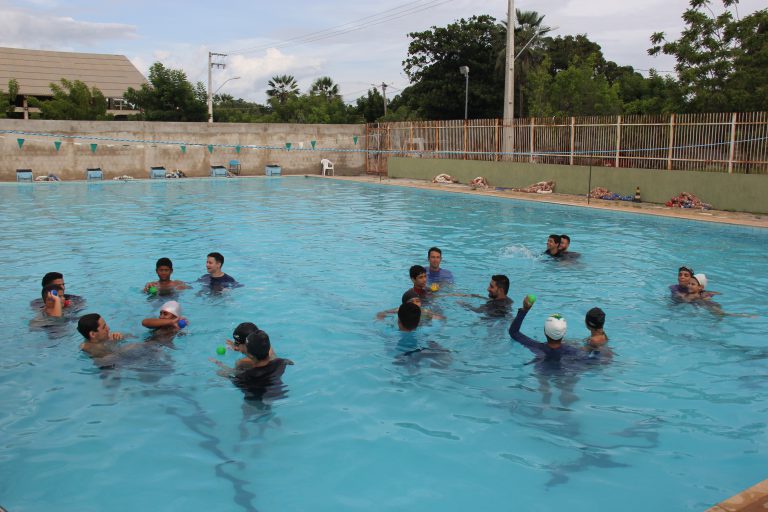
point(327, 166)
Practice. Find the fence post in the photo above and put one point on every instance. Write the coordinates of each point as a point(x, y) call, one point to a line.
point(671, 141)
point(437, 140)
point(497, 148)
point(618, 139)
point(573, 137)
point(732, 152)
point(530, 157)
point(367, 154)
point(465, 138)
point(410, 144)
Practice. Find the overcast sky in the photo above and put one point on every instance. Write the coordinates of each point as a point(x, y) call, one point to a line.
point(180, 34)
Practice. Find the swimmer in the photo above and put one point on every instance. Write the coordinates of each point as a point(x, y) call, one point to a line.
point(408, 317)
point(436, 275)
point(553, 246)
point(215, 277)
point(419, 279)
point(262, 370)
point(563, 249)
point(237, 343)
point(74, 301)
point(53, 300)
point(684, 275)
point(554, 330)
point(97, 335)
point(697, 296)
point(595, 344)
point(411, 296)
point(498, 304)
point(170, 318)
point(164, 269)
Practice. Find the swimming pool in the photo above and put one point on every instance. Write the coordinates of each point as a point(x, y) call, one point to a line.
point(676, 422)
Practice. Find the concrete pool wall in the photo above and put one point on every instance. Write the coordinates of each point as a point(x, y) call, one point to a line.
point(116, 158)
point(729, 192)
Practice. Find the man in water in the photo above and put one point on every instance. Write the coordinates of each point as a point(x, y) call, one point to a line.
point(57, 278)
point(418, 276)
point(563, 249)
point(215, 278)
point(498, 304)
point(262, 377)
point(237, 343)
point(437, 276)
point(554, 330)
point(97, 336)
point(410, 296)
point(408, 317)
point(595, 344)
point(553, 246)
point(680, 289)
point(53, 299)
point(164, 284)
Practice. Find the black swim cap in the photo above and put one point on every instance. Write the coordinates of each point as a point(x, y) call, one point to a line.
point(595, 318)
point(242, 331)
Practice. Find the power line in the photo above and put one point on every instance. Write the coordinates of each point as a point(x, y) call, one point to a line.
point(394, 13)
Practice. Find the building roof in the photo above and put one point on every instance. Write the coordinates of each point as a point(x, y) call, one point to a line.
point(34, 70)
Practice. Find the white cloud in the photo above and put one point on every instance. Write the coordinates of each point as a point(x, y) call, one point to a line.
point(22, 29)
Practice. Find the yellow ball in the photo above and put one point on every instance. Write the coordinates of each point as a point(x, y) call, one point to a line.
point(434, 287)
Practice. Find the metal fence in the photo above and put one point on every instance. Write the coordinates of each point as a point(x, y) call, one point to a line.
point(723, 142)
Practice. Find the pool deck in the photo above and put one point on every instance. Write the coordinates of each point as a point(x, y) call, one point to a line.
point(739, 218)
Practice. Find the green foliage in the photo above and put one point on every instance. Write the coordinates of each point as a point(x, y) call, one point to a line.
point(282, 88)
point(577, 91)
point(325, 87)
point(227, 109)
point(169, 96)
point(434, 58)
point(313, 109)
point(370, 106)
point(722, 61)
point(73, 100)
point(8, 100)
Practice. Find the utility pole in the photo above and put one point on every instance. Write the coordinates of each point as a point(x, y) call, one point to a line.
point(211, 65)
point(509, 82)
point(383, 93)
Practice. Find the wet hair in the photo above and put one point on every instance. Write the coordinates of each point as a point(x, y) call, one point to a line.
point(565, 237)
point(164, 262)
point(49, 288)
point(687, 269)
point(416, 271)
point(409, 315)
point(595, 318)
point(50, 277)
point(409, 296)
point(241, 332)
point(258, 344)
point(556, 238)
point(502, 282)
point(87, 324)
point(434, 249)
point(217, 256)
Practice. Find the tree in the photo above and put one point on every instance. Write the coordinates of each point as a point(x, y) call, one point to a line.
point(73, 100)
point(8, 100)
point(722, 61)
point(325, 87)
point(370, 106)
point(169, 96)
point(227, 109)
point(577, 91)
point(282, 88)
point(432, 66)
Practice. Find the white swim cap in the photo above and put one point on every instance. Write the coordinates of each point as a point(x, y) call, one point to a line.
point(172, 307)
point(555, 326)
point(702, 279)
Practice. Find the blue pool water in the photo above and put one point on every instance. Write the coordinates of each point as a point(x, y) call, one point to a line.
point(676, 422)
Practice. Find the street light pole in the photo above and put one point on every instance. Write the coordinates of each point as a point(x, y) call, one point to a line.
point(509, 82)
point(210, 104)
point(464, 70)
point(211, 65)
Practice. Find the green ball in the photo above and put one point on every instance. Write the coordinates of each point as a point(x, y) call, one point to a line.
point(531, 298)
point(221, 350)
point(152, 290)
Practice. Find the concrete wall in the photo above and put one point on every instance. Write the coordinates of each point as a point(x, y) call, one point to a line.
point(730, 192)
point(119, 158)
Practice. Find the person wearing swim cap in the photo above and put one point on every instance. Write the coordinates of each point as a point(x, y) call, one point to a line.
point(170, 316)
point(595, 344)
point(554, 330)
point(237, 343)
point(436, 275)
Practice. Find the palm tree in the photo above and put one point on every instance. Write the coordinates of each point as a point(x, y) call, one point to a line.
point(282, 88)
point(529, 47)
point(324, 86)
